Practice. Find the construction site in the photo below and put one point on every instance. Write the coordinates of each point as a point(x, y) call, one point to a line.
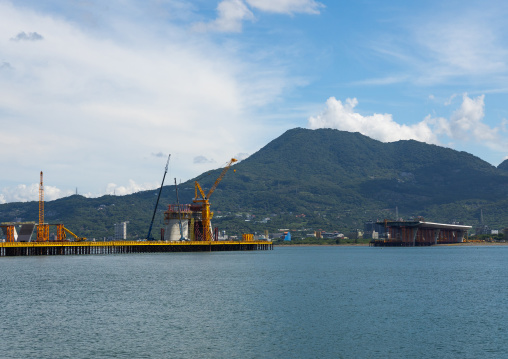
point(417, 233)
point(187, 228)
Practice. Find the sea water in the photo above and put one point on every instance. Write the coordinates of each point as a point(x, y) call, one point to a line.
point(292, 302)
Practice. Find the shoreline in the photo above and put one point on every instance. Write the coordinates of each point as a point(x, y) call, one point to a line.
point(475, 244)
point(465, 244)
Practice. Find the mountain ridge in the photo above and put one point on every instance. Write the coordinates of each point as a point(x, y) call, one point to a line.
point(330, 179)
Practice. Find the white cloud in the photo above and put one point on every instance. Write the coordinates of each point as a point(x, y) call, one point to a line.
point(231, 14)
point(287, 6)
point(441, 45)
point(202, 159)
point(5, 66)
point(27, 193)
point(31, 36)
point(465, 125)
point(448, 102)
point(463, 45)
point(466, 121)
point(382, 81)
point(241, 156)
point(132, 187)
point(91, 107)
point(378, 126)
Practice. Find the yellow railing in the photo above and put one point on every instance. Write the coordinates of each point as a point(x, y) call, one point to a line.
point(122, 243)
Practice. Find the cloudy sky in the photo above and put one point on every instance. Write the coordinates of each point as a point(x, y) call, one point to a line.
point(97, 93)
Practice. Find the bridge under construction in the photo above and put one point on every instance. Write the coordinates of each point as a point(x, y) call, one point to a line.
point(417, 233)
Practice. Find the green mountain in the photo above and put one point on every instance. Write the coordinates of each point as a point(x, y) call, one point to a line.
point(350, 178)
point(307, 180)
point(503, 166)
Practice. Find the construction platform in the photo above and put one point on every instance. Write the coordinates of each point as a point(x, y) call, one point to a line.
point(120, 247)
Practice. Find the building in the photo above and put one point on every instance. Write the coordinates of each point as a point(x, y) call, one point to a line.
point(418, 233)
point(121, 231)
point(483, 230)
point(369, 230)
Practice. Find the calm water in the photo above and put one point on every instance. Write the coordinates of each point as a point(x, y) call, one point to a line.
point(305, 302)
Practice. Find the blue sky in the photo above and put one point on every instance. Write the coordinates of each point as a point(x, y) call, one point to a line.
point(97, 94)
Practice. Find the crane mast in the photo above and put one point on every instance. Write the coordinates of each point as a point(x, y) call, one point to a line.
point(200, 197)
point(42, 228)
point(41, 202)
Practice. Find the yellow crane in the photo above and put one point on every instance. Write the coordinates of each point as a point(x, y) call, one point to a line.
point(42, 228)
point(200, 197)
point(76, 238)
point(61, 235)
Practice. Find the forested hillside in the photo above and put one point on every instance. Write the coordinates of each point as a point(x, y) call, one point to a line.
point(503, 166)
point(307, 180)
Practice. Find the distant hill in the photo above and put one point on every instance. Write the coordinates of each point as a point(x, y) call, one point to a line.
point(307, 180)
point(503, 166)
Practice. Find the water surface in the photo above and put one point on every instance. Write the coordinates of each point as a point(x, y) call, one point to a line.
point(305, 302)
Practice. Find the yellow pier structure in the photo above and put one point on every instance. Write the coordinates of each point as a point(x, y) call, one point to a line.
point(118, 247)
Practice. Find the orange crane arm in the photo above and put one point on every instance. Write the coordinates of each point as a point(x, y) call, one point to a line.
point(206, 215)
point(197, 188)
point(75, 236)
point(233, 160)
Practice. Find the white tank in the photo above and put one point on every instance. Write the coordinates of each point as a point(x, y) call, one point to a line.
point(172, 231)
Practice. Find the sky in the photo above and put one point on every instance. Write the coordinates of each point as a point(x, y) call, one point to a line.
point(97, 94)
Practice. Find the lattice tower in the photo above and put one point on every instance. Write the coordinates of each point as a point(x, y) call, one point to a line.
point(41, 202)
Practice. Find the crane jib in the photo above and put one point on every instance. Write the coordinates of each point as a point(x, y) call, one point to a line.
point(148, 237)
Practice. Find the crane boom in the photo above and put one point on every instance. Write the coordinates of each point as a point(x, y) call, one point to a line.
point(197, 188)
point(206, 215)
point(223, 173)
point(74, 235)
point(148, 237)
